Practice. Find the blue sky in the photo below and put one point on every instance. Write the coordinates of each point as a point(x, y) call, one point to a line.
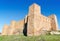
point(18, 9)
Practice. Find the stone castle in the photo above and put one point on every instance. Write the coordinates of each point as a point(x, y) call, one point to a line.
point(33, 24)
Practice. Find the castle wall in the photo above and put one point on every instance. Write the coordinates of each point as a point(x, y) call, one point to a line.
point(17, 27)
point(41, 23)
point(12, 27)
point(21, 26)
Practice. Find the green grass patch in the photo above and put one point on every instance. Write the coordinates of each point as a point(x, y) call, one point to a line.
point(30, 38)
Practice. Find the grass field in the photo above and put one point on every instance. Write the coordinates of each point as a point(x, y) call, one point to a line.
point(33, 38)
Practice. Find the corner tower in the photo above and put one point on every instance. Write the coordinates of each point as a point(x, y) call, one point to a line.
point(54, 23)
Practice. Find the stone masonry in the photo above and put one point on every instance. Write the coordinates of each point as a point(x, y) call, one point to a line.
point(33, 24)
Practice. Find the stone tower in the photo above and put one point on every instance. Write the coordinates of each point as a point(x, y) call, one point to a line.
point(5, 30)
point(54, 24)
point(33, 19)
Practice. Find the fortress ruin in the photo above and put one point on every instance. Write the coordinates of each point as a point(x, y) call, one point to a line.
point(33, 24)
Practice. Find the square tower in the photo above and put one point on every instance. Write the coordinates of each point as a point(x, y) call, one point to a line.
point(34, 13)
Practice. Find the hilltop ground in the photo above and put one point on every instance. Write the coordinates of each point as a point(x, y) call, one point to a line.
point(33, 38)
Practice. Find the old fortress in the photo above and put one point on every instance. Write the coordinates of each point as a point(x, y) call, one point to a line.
point(33, 24)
